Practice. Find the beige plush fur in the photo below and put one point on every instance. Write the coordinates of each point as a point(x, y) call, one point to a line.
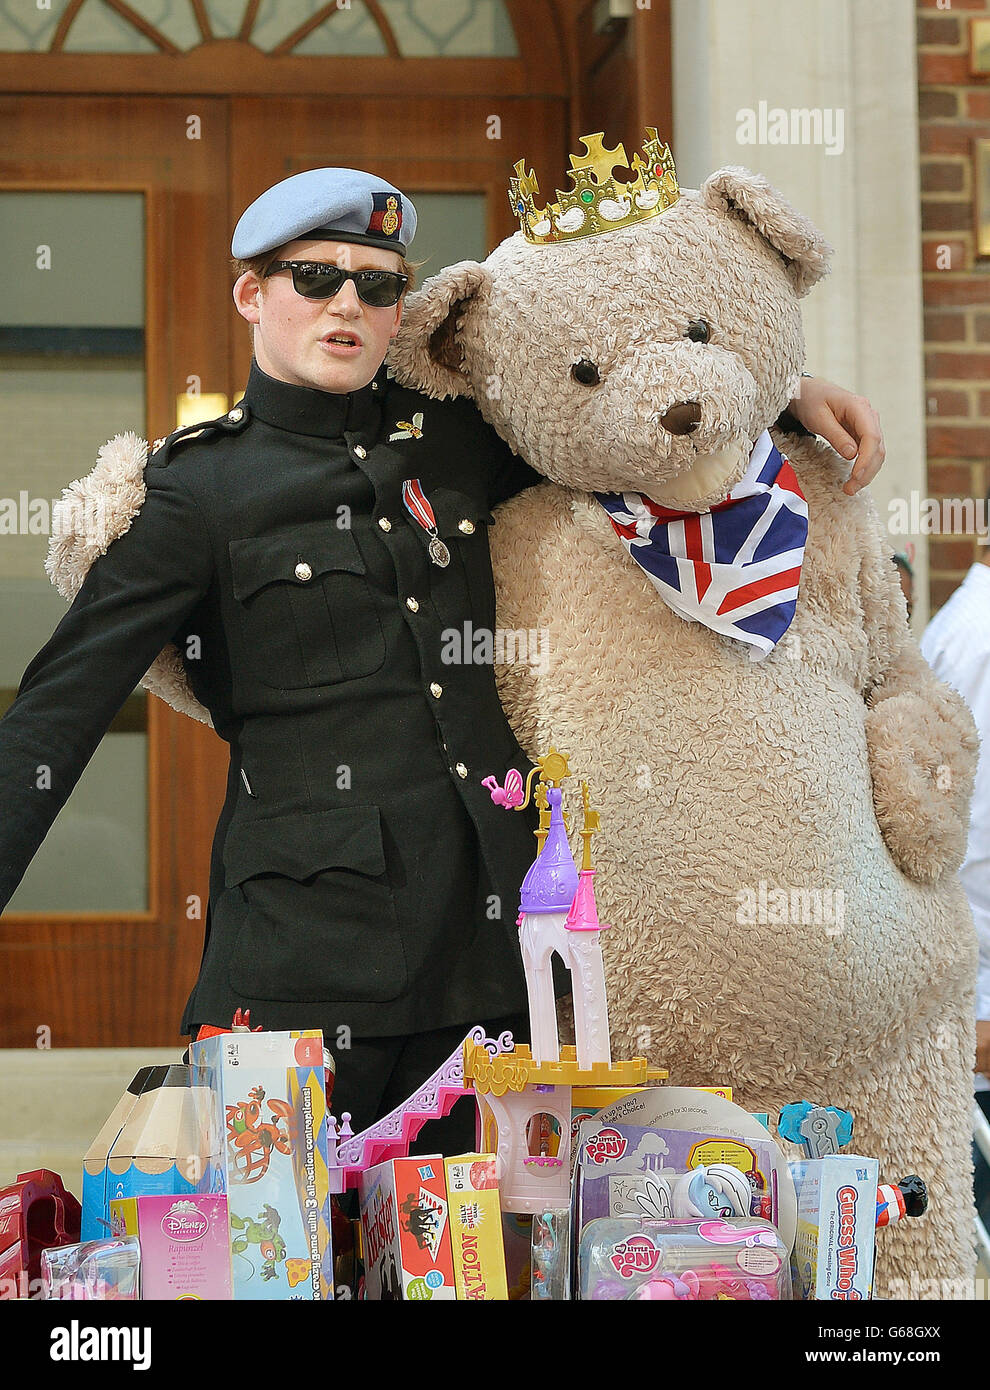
point(92, 512)
point(838, 769)
point(779, 838)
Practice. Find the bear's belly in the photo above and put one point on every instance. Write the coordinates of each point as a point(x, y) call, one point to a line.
point(749, 890)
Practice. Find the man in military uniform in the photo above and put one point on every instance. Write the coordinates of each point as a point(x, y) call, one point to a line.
point(318, 540)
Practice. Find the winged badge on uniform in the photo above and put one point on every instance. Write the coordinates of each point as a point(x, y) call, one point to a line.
point(409, 429)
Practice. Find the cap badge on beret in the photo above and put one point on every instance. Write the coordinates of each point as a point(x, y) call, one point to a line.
point(386, 219)
point(336, 204)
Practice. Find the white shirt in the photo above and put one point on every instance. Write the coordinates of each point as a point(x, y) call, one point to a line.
point(956, 645)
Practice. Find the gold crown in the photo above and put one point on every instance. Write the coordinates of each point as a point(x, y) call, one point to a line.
point(597, 203)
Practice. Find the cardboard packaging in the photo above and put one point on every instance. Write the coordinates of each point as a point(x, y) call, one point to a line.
point(265, 1112)
point(151, 1144)
point(551, 1256)
point(586, 1101)
point(36, 1212)
point(405, 1231)
point(741, 1258)
point(517, 1238)
point(617, 1161)
point(185, 1244)
point(476, 1228)
point(100, 1271)
point(836, 1226)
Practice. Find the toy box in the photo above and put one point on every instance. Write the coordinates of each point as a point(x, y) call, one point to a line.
point(550, 1266)
point(629, 1257)
point(517, 1239)
point(151, 1143)
point(405, 1231)
point(96, 1270)
point(635, 1169)
point(36, 1212)
point(586, 1101)
point(836, 1226)
point(185, 1244)
point(475, 1227)
point(266, 1113)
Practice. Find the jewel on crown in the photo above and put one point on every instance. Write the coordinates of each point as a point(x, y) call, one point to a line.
point(597, 202)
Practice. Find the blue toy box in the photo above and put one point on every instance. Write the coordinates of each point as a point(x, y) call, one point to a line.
point(267, 1117)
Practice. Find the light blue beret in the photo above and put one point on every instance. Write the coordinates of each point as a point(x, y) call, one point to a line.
point(340, 204)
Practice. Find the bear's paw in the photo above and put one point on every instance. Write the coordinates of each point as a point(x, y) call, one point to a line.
point(921, 754)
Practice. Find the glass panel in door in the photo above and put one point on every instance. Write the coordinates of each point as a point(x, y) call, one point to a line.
point(72, 371)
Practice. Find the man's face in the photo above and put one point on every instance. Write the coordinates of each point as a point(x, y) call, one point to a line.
point(294, 338)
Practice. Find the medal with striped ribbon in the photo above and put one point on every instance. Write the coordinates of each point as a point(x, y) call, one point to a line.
point(420, 510)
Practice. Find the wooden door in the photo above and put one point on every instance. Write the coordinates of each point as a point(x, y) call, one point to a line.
point(106, 976)
point(109, 977)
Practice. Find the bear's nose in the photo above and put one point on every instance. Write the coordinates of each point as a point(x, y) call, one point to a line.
point(682, 417)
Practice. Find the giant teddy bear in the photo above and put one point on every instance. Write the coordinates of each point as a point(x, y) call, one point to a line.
point(780, 836)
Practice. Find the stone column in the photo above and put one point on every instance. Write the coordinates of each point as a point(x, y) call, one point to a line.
point(856, 61)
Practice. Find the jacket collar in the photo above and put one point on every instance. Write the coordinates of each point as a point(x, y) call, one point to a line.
point(305, 410)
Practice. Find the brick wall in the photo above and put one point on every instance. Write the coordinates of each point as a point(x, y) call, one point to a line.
point(954, 111)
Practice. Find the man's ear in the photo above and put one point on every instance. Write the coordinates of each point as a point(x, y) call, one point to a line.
point(428, 353)
point(245, 293)
point(740, 192)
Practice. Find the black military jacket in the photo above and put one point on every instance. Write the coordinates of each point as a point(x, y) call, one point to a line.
point(360, 875)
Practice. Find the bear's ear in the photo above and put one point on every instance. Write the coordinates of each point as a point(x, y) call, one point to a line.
point(805, 251)
point(428, 354)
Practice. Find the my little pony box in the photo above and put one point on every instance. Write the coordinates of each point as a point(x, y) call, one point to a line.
point(632, 1169)
point(628, 1257)
point(267, 1103)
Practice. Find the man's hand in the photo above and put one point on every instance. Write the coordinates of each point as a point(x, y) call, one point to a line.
point(849, 423)
point(983, 1047)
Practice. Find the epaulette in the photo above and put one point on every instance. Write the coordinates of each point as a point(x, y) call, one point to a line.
point(233, 422)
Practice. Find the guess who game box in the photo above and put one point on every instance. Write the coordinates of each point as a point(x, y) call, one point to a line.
point(266, 1094)
point(405, 1231)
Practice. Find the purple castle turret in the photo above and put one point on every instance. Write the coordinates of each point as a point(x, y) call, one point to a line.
point(551, 880)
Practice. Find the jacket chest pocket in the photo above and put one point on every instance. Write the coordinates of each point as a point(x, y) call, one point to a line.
point(463, 590)
point(308, 615)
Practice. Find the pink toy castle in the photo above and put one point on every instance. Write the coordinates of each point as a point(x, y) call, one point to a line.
point(524, 1094)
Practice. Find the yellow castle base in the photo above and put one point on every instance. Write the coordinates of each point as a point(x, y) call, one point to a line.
point(512, 1071)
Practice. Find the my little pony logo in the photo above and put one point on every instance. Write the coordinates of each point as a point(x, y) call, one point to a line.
point(606, 1145)
point(637, 1255)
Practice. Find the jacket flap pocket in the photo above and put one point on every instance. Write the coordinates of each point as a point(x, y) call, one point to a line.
point(295, 557)
point(301, 844)
point(458, 513)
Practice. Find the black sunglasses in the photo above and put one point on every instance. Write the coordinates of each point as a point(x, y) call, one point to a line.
point(316, 280)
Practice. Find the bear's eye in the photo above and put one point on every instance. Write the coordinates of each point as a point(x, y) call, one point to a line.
point(698, 331)
point(585, 372)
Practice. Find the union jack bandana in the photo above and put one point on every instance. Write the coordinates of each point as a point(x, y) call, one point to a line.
point(735, 568)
